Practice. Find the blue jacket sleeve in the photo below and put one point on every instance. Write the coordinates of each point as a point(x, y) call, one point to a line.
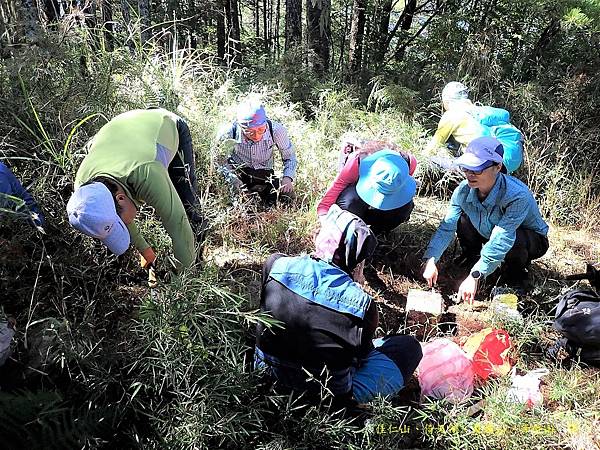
point(445, 233)
point(503, 237)
point(10, 185)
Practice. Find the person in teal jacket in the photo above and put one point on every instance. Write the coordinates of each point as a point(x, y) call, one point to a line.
point(496, 218)
point(140, 156)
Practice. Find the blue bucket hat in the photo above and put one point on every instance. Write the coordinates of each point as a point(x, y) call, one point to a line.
point(384, 182)
point(251, 114)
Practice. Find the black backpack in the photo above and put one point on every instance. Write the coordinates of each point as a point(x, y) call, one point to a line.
point(578, 320)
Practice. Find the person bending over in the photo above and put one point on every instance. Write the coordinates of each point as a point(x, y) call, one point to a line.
point(376, 186)
point(140, 156)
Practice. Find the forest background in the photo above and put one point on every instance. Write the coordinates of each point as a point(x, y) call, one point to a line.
point(102, 360)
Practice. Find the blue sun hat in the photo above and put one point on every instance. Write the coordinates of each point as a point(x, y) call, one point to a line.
point(384, 182)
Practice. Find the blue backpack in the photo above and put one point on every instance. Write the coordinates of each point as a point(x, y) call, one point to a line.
point(498, 122)
point(490, 116)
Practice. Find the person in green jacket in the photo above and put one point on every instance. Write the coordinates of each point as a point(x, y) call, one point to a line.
point(140, 156)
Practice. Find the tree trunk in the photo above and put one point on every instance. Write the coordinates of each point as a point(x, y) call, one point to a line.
point(257, 18)
point(380, 38)
point(52, 10)
point(319, 33)
point(194, 24)
point(402, 46)
point(265, 26)
point(293, 23)
point(276, 28)
point(126, 12)
point(546, 38)
point(144, 9)
point(343, 42)
point(107, 24)
point(221, 36)
point(30, 25)
point(235, 46)
point(357, 33)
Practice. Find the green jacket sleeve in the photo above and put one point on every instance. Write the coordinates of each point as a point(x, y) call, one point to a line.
point(136, 237)
point(153, 186)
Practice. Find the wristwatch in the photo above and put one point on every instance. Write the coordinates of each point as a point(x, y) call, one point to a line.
point(476, 275)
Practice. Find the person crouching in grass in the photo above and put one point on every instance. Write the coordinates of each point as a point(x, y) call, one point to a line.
point(329, 321)
point(496, 219)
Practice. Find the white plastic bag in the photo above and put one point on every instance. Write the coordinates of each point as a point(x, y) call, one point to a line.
point(526, 388)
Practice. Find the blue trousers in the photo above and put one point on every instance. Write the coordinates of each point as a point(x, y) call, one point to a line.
point(383, 371)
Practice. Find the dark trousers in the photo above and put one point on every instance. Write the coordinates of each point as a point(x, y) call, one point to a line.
point(379, 220)
point(183, 174)
point(262, 181)
point(528, 245)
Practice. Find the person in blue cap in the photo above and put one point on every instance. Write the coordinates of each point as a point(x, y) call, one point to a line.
point(15, 199)
point(377, 188)
point(496, 219)
point(328, 321)
point(250, 165)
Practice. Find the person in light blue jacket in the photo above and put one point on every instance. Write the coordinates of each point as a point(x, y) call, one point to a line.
point(495, 217)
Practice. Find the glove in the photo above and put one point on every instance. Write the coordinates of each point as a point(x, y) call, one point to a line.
point(147, 258)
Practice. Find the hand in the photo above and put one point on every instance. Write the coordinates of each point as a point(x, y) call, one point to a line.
point(287, 185)
point(468, 289)
point(37, 222)
point(431, 272)
point(147, 258)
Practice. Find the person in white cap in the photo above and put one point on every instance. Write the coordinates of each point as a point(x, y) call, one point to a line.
point(457, 126)
point(250, 165)
point(141, 156)
point(496, 218)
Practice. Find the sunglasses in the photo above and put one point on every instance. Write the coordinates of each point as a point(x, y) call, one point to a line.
point(476, 172)
point(255, 131)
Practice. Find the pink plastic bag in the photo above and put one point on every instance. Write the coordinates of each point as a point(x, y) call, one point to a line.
point(445, 371)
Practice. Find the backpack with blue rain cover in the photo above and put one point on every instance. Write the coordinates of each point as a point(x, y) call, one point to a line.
point(511, 138)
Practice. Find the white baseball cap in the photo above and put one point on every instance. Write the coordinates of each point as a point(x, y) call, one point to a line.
point(92, 211)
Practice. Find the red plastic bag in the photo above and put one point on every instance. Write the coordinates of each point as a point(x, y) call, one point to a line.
point(445, 371)
point(489, 350)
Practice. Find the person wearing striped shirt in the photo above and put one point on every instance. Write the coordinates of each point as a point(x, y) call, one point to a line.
point(250, 165)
